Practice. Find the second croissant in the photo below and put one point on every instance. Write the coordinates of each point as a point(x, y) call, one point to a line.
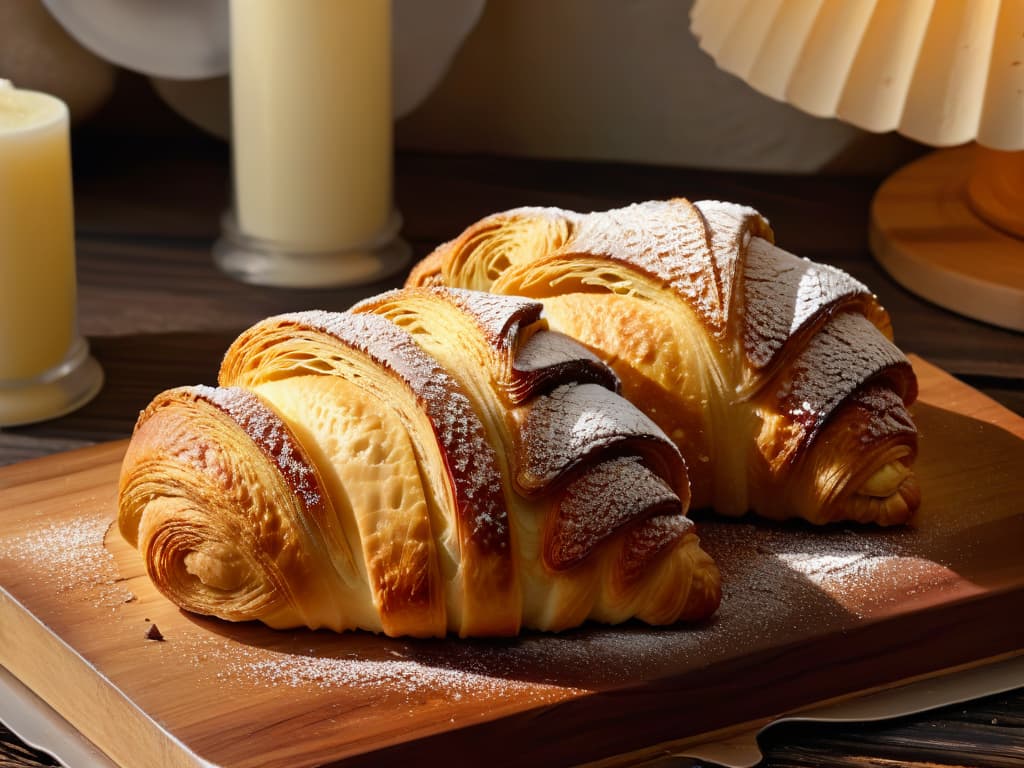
point(776, 377)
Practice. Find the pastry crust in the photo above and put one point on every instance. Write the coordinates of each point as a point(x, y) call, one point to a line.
point(432, 461)
point(754, 361)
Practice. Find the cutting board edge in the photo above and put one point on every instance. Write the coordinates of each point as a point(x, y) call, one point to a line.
point(53, 649)
point(543, 728)
point(146, 737)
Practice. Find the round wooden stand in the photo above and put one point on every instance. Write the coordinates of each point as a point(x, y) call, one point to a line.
point(928, 232)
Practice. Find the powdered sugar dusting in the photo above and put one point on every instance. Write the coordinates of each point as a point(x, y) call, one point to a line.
point(855, 568)
point(648, 539)
point(566, 426)
point(730, 228)
point(498, 316)
point(886, 414)
point(545, 349)
point(548, 358)
point(70, 556)
point(663, 238)
point(549, 214)
point(477, 482)
point(782, 292)
point(692, 248)
point(532, 667)
point(398, 675)
point(836, 566)
point(844, 354)
point(271, 434)
point(779, 581)
point(595, 505)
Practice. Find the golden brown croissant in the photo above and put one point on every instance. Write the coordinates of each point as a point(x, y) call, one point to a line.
point(776, 377)
point(433, 461)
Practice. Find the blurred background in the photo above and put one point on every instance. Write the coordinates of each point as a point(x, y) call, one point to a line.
point(616, 80)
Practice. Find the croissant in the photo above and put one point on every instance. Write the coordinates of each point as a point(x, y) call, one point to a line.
point(776, 377)
point(431, 461)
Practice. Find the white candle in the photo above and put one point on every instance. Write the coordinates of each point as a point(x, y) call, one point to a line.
point(312, 125)
point(37, 246)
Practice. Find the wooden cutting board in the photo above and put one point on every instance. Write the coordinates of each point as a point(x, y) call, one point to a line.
point(808, 615)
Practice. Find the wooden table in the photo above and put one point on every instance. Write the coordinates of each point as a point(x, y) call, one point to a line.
point(158, 314)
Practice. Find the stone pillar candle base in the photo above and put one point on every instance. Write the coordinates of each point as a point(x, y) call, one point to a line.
point(262, 262)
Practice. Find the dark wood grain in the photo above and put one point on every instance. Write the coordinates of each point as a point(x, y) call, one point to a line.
point(987, 733)
point(158, 314)
point(14, 754)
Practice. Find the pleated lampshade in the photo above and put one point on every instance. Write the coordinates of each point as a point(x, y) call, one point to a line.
point(942, 72)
